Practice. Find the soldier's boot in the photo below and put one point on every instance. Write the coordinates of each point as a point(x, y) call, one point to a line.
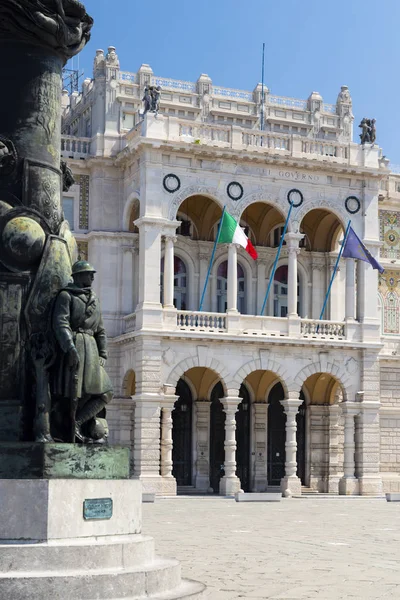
point(88, 411)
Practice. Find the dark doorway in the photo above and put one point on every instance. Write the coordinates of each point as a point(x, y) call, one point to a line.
point(182, 435)
point(276, 436)
point(243, 439)
point(301, 441)
point(217, 438)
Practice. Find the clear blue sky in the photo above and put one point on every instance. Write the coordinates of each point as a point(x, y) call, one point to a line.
point(311, 45)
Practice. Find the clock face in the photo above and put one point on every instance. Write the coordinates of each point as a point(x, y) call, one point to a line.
point(352, 205)
point(234, 190)
point(295, 197)
point(171, 183)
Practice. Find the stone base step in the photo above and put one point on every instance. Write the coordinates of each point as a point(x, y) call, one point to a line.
point(190, 490)
point(113, 552)
point(101, 569)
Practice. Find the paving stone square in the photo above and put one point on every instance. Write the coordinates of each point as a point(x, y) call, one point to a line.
point(326, 548)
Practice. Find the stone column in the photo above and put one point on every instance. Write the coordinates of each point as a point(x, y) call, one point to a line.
point(232, 278)
point(348, 485)
point(202, 476)
point(350, 289)
point(260, 447)
point(292, 241)
point(334, 467)
point(291, 484)
point(168, 279)
point(230, 483)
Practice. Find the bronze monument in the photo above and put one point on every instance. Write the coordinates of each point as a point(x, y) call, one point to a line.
point(37, 249)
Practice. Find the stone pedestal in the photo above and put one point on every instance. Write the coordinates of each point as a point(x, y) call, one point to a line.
point(51, 550)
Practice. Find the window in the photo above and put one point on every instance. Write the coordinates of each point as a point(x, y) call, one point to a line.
point(222, 288)
point(68, 208)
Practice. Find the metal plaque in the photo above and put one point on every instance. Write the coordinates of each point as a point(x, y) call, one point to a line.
point(97, 508)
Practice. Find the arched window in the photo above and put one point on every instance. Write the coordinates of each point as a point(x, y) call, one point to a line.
point(222, 287)
point(281, 292)
point(180, 283)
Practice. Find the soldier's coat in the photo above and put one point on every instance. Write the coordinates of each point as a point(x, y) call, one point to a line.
point(77, 319)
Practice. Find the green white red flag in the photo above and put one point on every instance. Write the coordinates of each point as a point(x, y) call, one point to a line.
point(231, 233)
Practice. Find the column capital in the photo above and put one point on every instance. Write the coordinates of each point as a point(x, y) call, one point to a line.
point(293, 240)
point(291, 404)
point(170, 237)
point(231, 403)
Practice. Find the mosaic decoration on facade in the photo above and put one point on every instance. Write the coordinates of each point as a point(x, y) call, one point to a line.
point(83, 250)
point(388, 286)
point(389, 222)
point(83, 181)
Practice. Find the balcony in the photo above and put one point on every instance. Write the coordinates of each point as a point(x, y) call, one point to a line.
point(74, 147)
point(204, 324)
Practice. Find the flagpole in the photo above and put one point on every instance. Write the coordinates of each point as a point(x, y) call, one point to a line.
point(271, 279)
point(211, 260)
point(334, 271)
point(262, 94)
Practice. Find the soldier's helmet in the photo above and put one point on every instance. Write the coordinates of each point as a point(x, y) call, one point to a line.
point(82, 266)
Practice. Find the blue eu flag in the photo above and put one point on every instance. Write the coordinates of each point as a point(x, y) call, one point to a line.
point(354, 248)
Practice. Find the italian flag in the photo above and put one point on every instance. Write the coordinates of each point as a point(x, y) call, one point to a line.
point(231, 233)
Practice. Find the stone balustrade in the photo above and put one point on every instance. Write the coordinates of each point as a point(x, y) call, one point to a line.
point(252, 326)
point(201, 321)
point(74, 147)
point(322, 329)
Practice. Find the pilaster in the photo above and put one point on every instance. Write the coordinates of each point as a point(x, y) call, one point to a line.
point(349, 485)
point(260, 446)
point(169, 482)
point(202, 475)
point(368, 428)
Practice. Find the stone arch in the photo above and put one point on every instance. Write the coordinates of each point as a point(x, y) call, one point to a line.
point(264, 363)
point(194, 190)
point(324, 365)
point(129, 384)
point(134, 197)
point(260, 196)
point(299, 213)
point(208, 362)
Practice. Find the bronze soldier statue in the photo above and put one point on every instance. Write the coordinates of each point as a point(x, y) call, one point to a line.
point(78, 373)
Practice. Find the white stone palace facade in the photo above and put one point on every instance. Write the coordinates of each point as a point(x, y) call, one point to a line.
point(229, 398)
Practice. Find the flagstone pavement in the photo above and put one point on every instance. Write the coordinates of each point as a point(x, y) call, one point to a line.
point(301, 548)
